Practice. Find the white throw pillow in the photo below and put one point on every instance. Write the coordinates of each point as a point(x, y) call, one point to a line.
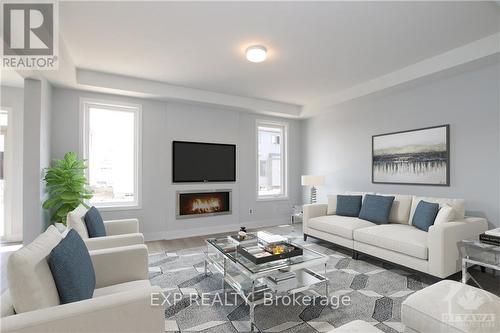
point(400, 210)
point(75, 220)
point(458, 206)
point(31, 284)
point(332, 204)
point(444, 215)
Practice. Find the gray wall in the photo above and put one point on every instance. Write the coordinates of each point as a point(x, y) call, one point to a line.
point(338, 143)
point(165, 122)
point(36, 155)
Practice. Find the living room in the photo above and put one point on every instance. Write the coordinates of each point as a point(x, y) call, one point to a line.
point(250, 166)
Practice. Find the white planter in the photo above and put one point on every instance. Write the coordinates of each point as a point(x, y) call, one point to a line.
point(60, 227)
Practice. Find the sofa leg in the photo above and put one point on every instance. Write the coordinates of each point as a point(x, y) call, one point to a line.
point(355, 254)
point(305, 237)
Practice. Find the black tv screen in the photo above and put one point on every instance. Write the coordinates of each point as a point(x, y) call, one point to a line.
point(203, 162)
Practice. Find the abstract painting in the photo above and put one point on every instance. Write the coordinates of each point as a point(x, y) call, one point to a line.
point(416, 157)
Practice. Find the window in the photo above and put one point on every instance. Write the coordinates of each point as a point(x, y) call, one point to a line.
point(271, 164)
point(11, 174)
point(111, 144)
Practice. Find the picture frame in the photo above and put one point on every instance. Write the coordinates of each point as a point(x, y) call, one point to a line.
point(412, 157)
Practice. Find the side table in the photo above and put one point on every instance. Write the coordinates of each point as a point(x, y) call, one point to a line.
point(473, 252)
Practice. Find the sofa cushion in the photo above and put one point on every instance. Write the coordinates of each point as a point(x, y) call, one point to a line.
point(121, 287)
point(75, 220)
point(72, 269)
point(444, 215)
point(400, 238)
point(30, 281)
point(451, 306)
point(94, 223)
point(424, 215)
point(332, 204)
point(376, 208)
point(348, 205)
point(401, 207)
point(342, 226)
point(458, 206)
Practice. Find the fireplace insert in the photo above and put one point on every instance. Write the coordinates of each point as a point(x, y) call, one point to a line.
point(192, 204)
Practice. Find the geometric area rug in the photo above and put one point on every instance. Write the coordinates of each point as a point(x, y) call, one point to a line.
point(199, 303)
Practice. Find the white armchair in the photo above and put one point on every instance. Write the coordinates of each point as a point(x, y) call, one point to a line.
point(121, 301)
point(118, 232)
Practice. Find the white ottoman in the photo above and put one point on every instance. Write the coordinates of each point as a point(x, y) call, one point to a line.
point(356, 326)
point(450, 306)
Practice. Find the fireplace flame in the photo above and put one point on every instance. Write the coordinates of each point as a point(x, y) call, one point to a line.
point(206, 205)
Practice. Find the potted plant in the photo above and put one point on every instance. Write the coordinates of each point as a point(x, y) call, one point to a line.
point(67, 188)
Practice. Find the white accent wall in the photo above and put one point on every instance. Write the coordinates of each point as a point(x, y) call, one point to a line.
point(165, 122)
point(338, 143)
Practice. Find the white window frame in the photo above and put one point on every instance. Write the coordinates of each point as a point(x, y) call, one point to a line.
point(284, 159)
point(85, 104)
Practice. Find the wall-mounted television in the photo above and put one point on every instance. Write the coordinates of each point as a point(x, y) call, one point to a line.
point(195, 162)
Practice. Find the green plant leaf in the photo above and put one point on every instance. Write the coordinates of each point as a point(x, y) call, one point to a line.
point(50, 203)
point(66, 185)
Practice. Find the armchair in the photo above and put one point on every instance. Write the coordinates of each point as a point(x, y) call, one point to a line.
point(118, 232)
point(121, 301)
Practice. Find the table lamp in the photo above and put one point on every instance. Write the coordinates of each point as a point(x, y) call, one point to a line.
point(313, 181)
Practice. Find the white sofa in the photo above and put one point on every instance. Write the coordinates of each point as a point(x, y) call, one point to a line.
point(434, 252)
point(121, 301)
point(118, 232)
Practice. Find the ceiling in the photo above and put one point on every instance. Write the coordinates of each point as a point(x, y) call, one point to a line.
point(11, 78)
point(314, 48)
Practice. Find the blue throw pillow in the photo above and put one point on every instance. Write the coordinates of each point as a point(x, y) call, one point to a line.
point(424, 215)
point(348, 205)
point(94, 223)
point(376, 208)
point(72, 269)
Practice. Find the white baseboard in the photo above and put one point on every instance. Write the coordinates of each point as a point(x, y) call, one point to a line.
point(153, 236)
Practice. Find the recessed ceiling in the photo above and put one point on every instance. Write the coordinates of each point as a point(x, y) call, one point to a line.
point(314, 48)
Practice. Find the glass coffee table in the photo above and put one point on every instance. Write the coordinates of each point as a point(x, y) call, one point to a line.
point(473, 252)
point(253, 281)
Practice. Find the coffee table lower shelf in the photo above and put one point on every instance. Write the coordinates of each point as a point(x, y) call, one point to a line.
point(253, 288)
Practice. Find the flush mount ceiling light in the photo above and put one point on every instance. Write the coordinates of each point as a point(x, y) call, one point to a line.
point(256, 53)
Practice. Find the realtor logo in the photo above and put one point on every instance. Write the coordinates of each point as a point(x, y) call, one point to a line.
point(29, 35)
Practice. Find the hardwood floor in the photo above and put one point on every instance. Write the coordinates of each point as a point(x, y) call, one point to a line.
point(175, 244)
point(189, 242)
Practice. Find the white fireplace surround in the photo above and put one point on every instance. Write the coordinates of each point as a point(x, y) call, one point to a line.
point(178, 214)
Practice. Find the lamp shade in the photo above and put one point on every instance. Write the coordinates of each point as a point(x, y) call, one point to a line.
point(308, 180)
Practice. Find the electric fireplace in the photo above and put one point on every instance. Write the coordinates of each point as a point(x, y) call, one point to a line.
point(192, 204)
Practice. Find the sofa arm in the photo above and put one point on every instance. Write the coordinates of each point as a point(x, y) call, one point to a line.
point(313, 210)
point(130, 311)
point(442, 242)
point(120, 227)
point(98, 243)
point(120, 264)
